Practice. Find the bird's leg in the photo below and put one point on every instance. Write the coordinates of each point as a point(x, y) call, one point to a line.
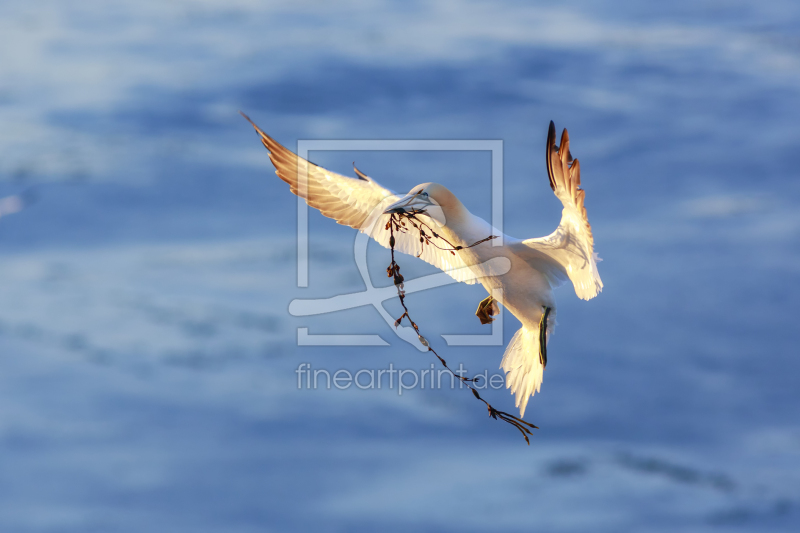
point(543, 337)
point(486, 309)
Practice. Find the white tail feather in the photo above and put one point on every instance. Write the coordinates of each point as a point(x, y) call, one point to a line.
point(523, 368)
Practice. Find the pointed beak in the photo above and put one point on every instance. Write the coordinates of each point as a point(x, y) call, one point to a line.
point(411, 203)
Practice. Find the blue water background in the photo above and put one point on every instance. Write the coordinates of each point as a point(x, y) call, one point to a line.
point(147, 356)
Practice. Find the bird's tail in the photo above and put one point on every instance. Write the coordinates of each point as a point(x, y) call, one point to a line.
point(524, 364)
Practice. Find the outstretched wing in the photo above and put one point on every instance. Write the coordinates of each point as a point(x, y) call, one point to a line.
point(571, 245)
point(355, 202)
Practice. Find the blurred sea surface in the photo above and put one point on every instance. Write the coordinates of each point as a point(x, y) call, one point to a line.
point(147, 356)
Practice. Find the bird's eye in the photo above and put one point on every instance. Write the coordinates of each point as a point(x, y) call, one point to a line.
point(426, 194)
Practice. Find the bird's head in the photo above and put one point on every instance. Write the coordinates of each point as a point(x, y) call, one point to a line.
point(431, 199)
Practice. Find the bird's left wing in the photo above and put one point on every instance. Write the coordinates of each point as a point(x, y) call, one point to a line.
point(356, 202)
point(569, 250)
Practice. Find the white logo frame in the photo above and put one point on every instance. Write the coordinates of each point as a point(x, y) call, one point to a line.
point(376, 296)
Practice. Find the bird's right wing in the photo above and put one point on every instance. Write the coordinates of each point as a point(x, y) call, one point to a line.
point(569, 250)
point(356, 202)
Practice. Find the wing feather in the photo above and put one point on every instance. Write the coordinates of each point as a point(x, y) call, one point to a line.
point(571, 245)
point(355, 202)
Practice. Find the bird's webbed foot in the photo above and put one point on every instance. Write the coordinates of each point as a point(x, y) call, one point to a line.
point(487, 309)
point(543, 337)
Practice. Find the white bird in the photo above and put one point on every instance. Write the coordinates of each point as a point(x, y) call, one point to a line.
point(537, 266)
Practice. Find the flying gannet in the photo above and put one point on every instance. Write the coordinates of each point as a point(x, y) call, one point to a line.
point(537, 266)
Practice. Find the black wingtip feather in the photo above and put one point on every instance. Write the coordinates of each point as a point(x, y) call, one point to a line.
point(551, 147)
